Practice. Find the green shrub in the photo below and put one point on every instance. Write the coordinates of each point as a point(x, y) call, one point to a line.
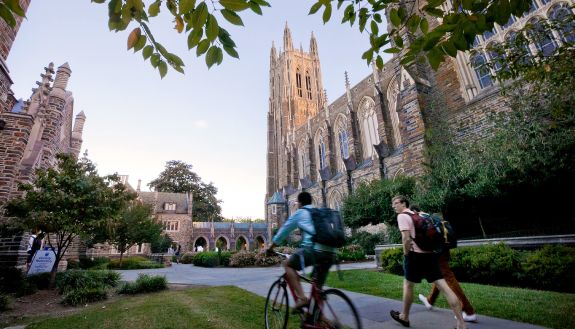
point(133, 263)
point(496, 264)
point(73, 264)
point(144, 283)
point(187, 258)
point(40, 281)
point(262, 260)
point(551, 268)
point(393, 234)
point(80, 279)
point(26, 288)
point(11, 279)
point(392, 260)
point(351, 252)
point(243, 259)
point(212, 258)
point(94, 263)
point(367, 241)
point(4, 302)
point(84, 295)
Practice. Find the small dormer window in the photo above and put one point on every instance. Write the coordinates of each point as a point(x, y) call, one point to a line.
point(274, 209)
point(170, 206)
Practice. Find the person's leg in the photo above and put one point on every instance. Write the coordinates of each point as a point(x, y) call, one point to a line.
point(407, 299)
point(453, 301)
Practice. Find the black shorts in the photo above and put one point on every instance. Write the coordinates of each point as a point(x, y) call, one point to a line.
point(321, 261)
point(417, 266)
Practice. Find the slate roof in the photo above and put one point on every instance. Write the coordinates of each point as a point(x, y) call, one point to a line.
point(277, 198)
point(181, 200)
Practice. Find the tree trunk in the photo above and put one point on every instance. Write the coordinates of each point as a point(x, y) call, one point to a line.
point(121, 256)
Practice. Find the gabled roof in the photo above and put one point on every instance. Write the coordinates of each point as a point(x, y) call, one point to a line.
point(158, 201)
point(277, 198)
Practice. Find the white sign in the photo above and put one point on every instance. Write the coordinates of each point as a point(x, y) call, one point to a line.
point(42, 262)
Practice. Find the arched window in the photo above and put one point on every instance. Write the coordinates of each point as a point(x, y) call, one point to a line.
point(519, 47)
point(392, 93)
point(308, 85)
point(320, 145)
point(368, 126)
point(542, 38)
point(496, 56)
point(342, 143)
point(298, 83)
point(481, 70)
point(488, 34)
point(510, 22)
point(563, 16)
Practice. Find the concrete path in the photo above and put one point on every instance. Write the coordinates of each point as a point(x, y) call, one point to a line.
point(374, 311)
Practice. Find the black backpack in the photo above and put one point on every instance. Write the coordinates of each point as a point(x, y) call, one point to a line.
point(36, 244)
point(328, 226)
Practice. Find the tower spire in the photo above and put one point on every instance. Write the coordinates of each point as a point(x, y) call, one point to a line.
point(313, 46)
point(288, 44)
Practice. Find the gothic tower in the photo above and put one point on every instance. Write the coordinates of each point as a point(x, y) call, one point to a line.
point(296, 95)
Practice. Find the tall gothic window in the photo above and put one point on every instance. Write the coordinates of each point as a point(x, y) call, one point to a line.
point(303, 161)
point(308, 85)
point(561, 13)
point(481, 70)
point(321, 151)
point(342, 143)
point(369, 126)
point(542, 38)
point(298, 83)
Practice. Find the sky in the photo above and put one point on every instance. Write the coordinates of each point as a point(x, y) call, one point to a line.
point(212, 119)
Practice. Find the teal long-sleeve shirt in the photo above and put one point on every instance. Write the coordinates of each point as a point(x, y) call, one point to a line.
point(301, 219)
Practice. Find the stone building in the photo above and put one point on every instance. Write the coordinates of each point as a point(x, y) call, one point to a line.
point(32, 132)
point(376, 129)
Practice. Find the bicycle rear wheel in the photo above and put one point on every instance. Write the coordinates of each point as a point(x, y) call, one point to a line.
point(337, 312)
point(277, 307)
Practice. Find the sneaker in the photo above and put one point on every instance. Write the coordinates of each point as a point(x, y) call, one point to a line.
point(469, 317)
point(425, 302)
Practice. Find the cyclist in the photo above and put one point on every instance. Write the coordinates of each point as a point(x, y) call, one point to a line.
point(309, 253)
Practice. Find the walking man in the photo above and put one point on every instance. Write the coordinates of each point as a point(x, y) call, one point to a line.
point(419, 264)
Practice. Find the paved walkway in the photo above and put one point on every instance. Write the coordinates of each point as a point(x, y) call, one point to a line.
point(373, 310)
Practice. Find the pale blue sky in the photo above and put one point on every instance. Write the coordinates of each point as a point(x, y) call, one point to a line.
point(215, 120)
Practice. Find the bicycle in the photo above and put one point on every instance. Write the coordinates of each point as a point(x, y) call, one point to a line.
point(330, 309)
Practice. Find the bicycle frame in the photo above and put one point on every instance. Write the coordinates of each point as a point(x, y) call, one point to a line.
point(315, 297)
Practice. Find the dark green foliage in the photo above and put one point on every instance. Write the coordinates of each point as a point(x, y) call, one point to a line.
point(496, 264)
point(187, 258)
point(94, 263)
point(393, 234)
point(351, 252)
point(145, 283)
point(243, 259)
point(73, 264)
point(133, 263)
point(371, 203)
point(212, 259)
point(79, 279)
point(161, 244)
point(392, 261)
point(84, 295)
point(11, 279)
point(263, 260)
point(40, 281)
point(367, 241)
point(4, 302)
point(551, 268)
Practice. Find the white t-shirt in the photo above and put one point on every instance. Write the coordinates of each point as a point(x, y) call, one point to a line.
point(405, 223)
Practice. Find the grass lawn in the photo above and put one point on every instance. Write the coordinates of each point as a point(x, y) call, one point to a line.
point(545, 308)
point(206, 308)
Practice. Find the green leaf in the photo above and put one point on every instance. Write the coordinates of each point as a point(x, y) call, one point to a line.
point(467, 4)
point(173, 59)
point(394, 17)
point(200, 15)
point(178, 68)
point(407, 59)
point(163, 68)
point(315, 8)
point(262, 3)
point(339, 4)
point(98, 1)
point(431, 40)
point(402, 14)
point(212, 56)
point(424, 25)
point(154, 8)
point(398, 40)
point(377, 18)
point(231, 51)
point(362, 18)
point(6, 14)
point(393, 50)
point(220, 56)
point(185, 6)
point(435, 57)
point(327, 13)
point(413, 23)
point(374, 28)
point(255, 8)
point(171, 4)
point(225, 39)
point(234, 5)
point(434, 11)
point(459, 41)
point(449, 48)
point(147, 52)
point(202, 47)
point(368, 55)
point(14, 6)
point(212, 28)
point(155, 60)
point(194, 37)
point(141, 43)
point(379, 62)
point(232, 17)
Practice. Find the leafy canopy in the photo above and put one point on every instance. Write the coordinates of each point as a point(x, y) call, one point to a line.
point(178, 177)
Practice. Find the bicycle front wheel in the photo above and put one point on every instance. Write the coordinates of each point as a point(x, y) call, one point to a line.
point(337, 312)
point(277, 308)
